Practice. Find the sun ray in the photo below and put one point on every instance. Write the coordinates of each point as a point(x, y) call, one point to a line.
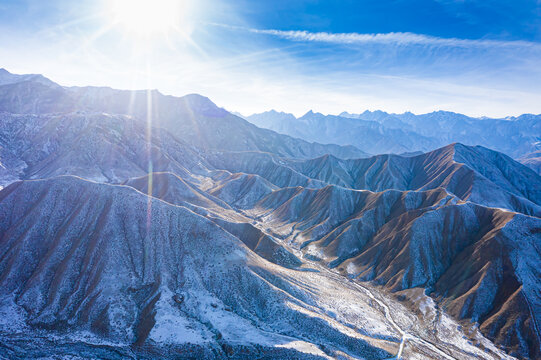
point(149, 141)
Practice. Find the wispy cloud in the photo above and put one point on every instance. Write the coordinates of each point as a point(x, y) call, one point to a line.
point(392, 38)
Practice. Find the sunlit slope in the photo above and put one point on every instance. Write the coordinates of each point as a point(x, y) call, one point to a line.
point(85, 256)
point(192, 118)
point(480, 264)
point(474, 174)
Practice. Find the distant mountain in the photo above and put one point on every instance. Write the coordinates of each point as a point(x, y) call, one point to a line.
point(192, 118)
point(388, 120)
point(379, 132)
point(513, 136)
point(280, 122)
point(370, 136)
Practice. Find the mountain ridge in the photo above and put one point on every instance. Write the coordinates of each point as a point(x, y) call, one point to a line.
point(149, 298)
point(192, 231)
point(427, 171)
point(408, 132)
point(193, 118)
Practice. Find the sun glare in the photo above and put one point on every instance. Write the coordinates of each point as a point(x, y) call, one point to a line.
point(146, 17)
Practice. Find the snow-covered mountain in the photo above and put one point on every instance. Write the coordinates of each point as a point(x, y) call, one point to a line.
point(380, 132)
point(89, 257)
point(8, 78)
point(100, 147)
point(203, 236)
point(370, 136)
point(460, 253)
point(280, 122)
point(192, 118)
point(474, 174)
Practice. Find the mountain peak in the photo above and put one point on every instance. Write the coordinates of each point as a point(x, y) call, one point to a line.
point(203, 105)
point(7, 77)
point(445, 113)
point(280, 113)
point(311, 115)
point(194, 97)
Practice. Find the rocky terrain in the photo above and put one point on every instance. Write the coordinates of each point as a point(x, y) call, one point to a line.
point(190, 233)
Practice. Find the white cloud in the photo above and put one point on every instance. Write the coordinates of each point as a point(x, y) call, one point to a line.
point(393, 38)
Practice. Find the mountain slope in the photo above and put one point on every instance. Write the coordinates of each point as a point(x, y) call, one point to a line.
point(480, 264)
point(101, 147)
point(475, 174)
point(471, 173)
point(192, 118)
point(532, 160)
point(84, 258)
point(177, 191)
point(136, 281)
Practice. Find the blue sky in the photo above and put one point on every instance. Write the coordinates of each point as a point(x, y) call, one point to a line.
point(469, 56)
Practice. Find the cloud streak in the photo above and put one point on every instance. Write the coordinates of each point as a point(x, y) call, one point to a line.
point(392, 38)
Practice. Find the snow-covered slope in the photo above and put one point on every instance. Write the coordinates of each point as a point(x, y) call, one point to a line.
point(192, 118)
point(472, 173)
point(89, 263)
point(478, 263)
point(100, 147)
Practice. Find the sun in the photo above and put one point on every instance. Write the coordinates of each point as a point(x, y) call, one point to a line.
point(147, 17)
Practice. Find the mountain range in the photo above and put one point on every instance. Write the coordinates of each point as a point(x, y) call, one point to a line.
point(204, 124)
point(139, 225)
point(378, 132)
